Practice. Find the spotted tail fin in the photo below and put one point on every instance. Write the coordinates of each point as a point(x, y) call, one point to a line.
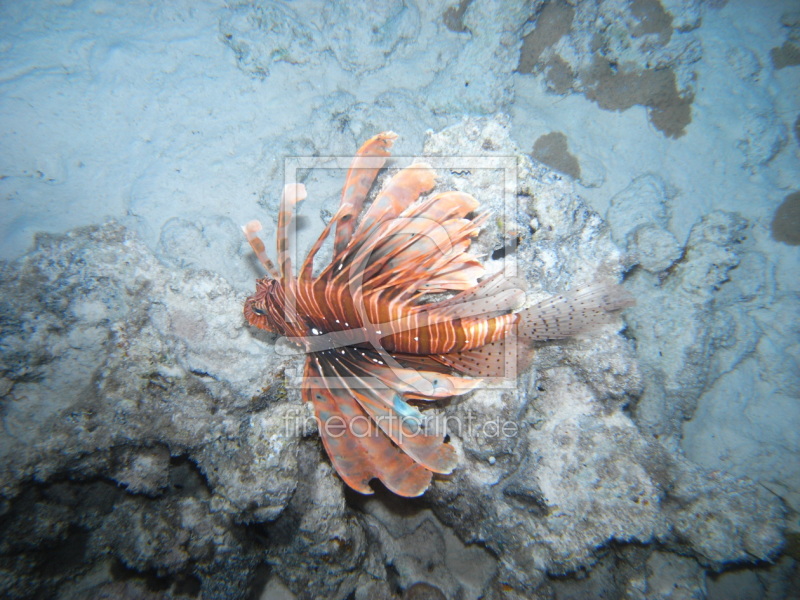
point(559, 317)
point(573, 313)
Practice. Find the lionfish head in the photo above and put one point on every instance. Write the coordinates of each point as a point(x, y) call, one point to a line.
point(256, 307)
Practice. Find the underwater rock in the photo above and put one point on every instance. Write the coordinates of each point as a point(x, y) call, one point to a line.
point(206, 243)
point(629, 571)
point(423, 591)
point(423, 553)
point(318, 546)
point(764, 136)
point(115, 363)
point(639, 217)
point(579, 472)
point(264, 33)
point(676, 350)
point(481, 64)
point(382, 30)
point(146, 426)
point(396, 37)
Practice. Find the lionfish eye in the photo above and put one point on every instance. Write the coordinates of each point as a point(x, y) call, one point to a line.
point(259, 312)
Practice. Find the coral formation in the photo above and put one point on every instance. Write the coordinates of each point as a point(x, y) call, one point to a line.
point(143, 457)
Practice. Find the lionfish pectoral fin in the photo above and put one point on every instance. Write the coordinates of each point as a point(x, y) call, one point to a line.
point(407, 428)
point(573, 313)
point(358, 450)
point(418, 377)
point(345, 451)
point(424, 248)
point(368, 161)
point(379, 392)
point(403, 189)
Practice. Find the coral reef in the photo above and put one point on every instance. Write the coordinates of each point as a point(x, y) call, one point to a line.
point(152, 448)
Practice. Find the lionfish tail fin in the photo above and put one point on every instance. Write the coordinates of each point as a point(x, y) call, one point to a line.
point(558, 317)
point(573, 313)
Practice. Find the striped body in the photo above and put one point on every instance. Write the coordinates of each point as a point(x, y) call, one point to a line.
point(321, 309)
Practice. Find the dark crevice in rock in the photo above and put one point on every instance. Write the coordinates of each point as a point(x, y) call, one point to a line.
point(507, 249)
point(186, 478)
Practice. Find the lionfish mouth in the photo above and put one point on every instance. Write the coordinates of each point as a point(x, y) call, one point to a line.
point(374, 340)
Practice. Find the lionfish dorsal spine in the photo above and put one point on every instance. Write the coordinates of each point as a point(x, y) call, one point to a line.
point(369, 160)
point(293, 193)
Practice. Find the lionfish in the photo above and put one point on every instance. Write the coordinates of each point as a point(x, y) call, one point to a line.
point(374, 336)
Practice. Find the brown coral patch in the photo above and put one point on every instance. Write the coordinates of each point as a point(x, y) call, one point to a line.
point(552, 150)
point(786, 55)
point(618, 89)
point(453, 17)
point(786, 222)
point(559, 75)
point(653, 19)
point(553, 22)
